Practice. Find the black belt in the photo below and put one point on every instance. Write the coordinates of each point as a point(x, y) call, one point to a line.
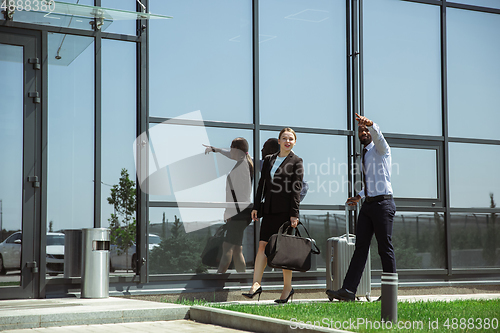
point(378, 198)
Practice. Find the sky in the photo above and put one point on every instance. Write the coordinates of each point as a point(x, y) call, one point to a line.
point(203, 63)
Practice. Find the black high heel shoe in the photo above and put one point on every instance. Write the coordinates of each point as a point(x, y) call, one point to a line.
point(250, 295)
point(283, 301)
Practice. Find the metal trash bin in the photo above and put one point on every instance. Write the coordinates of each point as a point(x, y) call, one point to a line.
point(72, 253)
point(95, 271)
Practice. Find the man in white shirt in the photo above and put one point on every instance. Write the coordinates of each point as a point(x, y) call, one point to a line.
point(378, 210)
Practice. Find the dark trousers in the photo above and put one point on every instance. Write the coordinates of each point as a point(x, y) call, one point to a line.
point(374, 218)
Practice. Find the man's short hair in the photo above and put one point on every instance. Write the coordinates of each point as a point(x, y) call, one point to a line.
point(271, 146)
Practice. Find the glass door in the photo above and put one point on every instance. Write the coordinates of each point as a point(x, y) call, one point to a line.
point(19, 174)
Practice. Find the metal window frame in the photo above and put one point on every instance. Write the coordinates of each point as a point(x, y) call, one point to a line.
point(355, 103)
point(33, 223)
point(437, 146)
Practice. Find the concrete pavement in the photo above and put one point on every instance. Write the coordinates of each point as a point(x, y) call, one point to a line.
point(118, 314)
point(33, 313)
point(149, 327)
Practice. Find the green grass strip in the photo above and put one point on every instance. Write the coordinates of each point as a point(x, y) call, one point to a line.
point(435, 316)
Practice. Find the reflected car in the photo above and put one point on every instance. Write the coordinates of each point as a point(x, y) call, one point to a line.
point(10, 253)
point(55, 253)
point(122, 260)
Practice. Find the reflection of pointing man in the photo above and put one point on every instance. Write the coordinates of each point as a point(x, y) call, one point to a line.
point(377, 213)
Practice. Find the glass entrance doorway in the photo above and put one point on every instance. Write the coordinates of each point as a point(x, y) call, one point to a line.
point(19, 172)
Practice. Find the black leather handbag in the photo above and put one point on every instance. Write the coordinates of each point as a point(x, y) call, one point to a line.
point(213, 249)
point(290, 251)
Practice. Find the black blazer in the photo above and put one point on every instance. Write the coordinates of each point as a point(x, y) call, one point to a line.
point(282, 193)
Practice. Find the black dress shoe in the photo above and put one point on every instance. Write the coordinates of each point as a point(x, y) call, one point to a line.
point(283, 301)
point(251, 295)
point(341, 295)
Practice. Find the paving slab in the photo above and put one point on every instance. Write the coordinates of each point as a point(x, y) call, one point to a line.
point(35, 313)
point(118, 314)
point(143, 327)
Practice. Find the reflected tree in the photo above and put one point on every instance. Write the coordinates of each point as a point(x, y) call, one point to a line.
point(179, 253)
point(122, 222)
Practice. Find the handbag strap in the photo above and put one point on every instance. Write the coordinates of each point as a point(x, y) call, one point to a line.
point(297, 234)
point(232, 192)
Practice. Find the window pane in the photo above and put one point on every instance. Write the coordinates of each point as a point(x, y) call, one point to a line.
point(402, 66)
point(11, 161)
point(118, 117)
point(70, 188)
point(302, 63)
point(473, 74)
point(128, 27)
point(475, 240)
point(321, 226)
point(473, 174)
point(414, 173)
point(11, 132)
point(180, 171)
point(200, 61)
point(326, 172)
point(181, 246)
point(482, 3)
point(418, 239)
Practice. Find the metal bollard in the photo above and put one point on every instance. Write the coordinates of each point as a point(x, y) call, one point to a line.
point(389, 301)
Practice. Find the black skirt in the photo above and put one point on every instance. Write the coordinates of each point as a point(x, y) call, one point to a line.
point(236, 226)
point(271, 223)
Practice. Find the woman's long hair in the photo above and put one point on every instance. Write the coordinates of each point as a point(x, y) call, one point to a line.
point(242, 144)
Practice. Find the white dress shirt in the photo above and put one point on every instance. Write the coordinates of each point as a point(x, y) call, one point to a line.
point(277, 164)
point(377, 165)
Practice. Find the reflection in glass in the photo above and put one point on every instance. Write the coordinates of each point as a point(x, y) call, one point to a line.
point(180, 171)
point(10, 255)
point(55, 253)
point(321, 226)
point(11, 161)
point(475, 240)
point(128, 27)
point(482, 3)
point(402, 67)
point(326, 173)
point(70, 187)
point(473, 74)
point(180, 251)
point(302, 66)
point(473, 174)
point(119, 91)
point(414, 180)
point(201, 62)
point(125, 261)
point(418, 239)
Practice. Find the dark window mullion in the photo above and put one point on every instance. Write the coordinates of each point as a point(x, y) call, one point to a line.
point(445, 181)
point(98, 126)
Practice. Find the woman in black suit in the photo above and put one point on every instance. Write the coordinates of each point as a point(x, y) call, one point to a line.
point(280, 185)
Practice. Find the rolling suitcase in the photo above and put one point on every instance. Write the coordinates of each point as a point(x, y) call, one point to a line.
point(339, 251)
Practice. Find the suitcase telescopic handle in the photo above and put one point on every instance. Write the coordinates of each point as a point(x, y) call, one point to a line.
point(348, 209)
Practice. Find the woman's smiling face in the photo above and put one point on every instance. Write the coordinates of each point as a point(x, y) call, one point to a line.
point(286, 141)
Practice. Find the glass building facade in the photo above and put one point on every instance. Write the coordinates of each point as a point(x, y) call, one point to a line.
point(107, 111)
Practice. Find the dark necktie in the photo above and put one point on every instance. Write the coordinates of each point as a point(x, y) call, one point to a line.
point(364, 173)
